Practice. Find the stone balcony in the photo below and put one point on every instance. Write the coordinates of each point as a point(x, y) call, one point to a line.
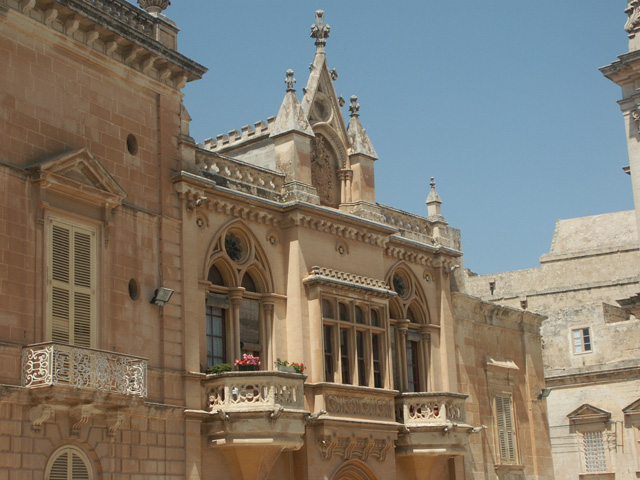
point(260, 414)
point(55, 364)
point(255, 408)
point(432, 423)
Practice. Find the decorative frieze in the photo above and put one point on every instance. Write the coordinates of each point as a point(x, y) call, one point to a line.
point(359, 406)
point(349, 447)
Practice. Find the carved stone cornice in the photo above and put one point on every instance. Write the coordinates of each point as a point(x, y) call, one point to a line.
point(118, 26)
point(348, 280)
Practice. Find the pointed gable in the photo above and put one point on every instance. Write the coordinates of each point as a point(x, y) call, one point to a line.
point(588, 412)
point(79, 175)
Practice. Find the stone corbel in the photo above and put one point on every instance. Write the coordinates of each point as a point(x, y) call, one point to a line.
point(114, 421)
point(27, 5)
point(92, 37)
point(147, 64)
point(132, 54)
point(110, 47)
point(71, 25)
point(83, 415)
point(39, 415)
point(50, 16)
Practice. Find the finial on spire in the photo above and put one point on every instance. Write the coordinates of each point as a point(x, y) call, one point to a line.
point(354, 107)
point(154, 7)
point(433, 201)
point(290, 81)
point(320, 31)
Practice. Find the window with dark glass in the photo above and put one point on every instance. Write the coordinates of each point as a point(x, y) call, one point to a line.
point(377, 370)
point(344, 356)
point(413, 375)
point(328, 353)
point(362, 371)
point(216, 338)
point(344, 312)
point(359, 315)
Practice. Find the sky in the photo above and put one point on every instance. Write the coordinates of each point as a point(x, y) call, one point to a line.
point(501, 101)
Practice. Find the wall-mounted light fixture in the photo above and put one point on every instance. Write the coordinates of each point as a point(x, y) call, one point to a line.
point(161, 296)
point(544, 393)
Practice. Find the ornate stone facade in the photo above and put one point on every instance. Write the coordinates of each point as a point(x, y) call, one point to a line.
point(142, 274)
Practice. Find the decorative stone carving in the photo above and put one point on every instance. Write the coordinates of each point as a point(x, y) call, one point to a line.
point(633, 11)
point(320, 31)
point(334, 74)
point(365, 407)
point(290, 81)
point(39, 415)
point(114, 421)
point(635, 116)
point(354, 107)
point(83, 415)
point(324, 172)
point(353, 447)
point(154, 7)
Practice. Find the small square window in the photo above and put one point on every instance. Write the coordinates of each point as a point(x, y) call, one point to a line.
point(581, 340)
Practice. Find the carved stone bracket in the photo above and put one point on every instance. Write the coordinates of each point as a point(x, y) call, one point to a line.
point(114, 421)
point(39, 415)
point(349, 447)
point(83, 415)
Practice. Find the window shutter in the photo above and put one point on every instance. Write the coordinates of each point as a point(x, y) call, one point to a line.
point(506, 433)
point(60, 467)
point(59, 281)
point(69, 464)
point(71, 284)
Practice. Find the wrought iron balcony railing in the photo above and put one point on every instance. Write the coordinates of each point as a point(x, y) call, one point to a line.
point(425, 409)
point(244, 391)
point(59, 364)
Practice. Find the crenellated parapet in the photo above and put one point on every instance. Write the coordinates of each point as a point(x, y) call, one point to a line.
point(248, 133)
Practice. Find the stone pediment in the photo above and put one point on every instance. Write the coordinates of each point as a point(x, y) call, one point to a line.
point(78, 174)
point(589, 412)
point(632, 409)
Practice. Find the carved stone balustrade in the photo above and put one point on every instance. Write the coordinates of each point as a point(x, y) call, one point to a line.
point(255, 409)
point(51, 363)
point(419, 409)
point(126, 13)
point(248, 391)
point(432, 423)
point(241, 176)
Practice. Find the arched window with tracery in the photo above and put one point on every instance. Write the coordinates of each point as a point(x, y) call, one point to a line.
point(68, 463)
point(408, 318)
point(239, 316)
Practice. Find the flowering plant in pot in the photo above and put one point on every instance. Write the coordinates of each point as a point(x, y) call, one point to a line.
point(284, 366)
point(248, 363)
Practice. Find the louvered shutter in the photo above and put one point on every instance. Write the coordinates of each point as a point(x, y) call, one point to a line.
point(69, 464)
point(71, 283)
point(506, 431)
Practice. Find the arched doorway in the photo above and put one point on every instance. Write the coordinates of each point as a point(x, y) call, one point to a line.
point(354, 470)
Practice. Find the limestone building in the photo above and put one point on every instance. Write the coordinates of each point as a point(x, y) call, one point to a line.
point(588, 287)
point(132, 260)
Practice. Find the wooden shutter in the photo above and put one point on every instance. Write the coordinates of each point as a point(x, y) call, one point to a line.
point(506, 431)
point(69, 464)
point(71, 283)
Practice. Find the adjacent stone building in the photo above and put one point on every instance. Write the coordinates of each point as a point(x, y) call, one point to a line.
point(133, 261)
point(588, 287)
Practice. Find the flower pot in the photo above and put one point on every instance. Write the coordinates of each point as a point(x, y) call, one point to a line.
point(282, 368)
point(247, 368)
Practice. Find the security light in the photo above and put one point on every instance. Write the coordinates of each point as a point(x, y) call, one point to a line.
point(161, 296)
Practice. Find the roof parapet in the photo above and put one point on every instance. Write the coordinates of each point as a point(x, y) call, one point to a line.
point(236, 137)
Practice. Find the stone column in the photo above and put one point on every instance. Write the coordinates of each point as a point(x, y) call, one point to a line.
point(425, 360)
point(266, 333)
point(402, 326)
point(433, 356)
point(235, 298)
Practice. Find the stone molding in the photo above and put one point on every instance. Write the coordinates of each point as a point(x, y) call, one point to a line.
point(349, 447)
point(137, 31)
point(347, 280)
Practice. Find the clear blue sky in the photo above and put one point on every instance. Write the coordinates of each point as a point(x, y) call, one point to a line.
point(501, 101)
